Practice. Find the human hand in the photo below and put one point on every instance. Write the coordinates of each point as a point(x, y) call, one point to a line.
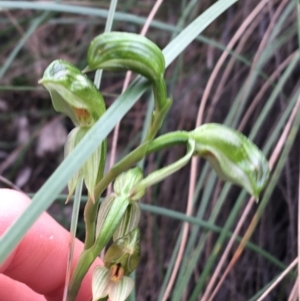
point(36, 269)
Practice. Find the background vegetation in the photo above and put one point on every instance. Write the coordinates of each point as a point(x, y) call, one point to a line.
point(243, 69)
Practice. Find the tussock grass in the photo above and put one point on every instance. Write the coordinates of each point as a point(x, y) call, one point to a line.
point(243, 70)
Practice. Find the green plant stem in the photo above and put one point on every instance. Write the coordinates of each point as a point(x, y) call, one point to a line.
point(167, 140)
point(88, 256)
point(90, 212)
point(157, 119)
point(85, 261)
point(162, 106)
point(160, 92)
point(160, 174)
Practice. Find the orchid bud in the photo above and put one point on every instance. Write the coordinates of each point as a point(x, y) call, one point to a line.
point(117, 51)
point(126, 181)
point(129, 221)
point(124, 251)
point(233, 156)
point(126, 51)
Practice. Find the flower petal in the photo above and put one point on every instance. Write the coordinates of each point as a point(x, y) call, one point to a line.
point(119, 291)
point(100, 282)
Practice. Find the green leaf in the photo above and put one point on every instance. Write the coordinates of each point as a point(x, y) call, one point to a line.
point(72, 93)
point(234, 157)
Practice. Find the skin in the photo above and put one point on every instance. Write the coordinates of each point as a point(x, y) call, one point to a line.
point(36, 269)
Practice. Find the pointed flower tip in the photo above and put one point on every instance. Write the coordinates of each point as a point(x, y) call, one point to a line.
point(69, 197)
point(86, 69)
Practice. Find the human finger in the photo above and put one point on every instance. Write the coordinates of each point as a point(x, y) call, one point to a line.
point(39, 261)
